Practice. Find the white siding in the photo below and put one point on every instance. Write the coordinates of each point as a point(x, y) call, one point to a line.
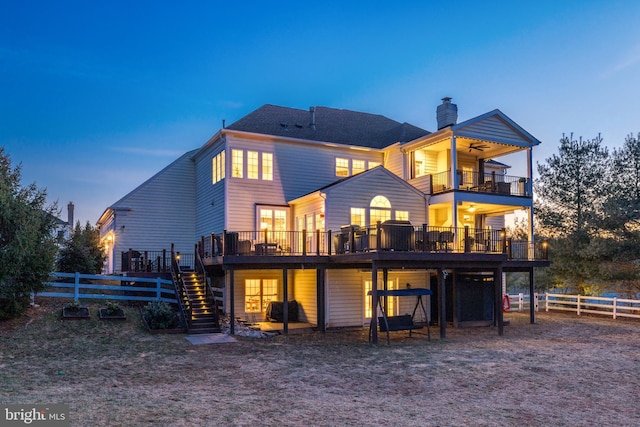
point(494, 128)
point(359, 191)
point(394, 161)
point(159, 212)
point(305, 293)
point(344, 298)
point(298, 169)
point(210, 203)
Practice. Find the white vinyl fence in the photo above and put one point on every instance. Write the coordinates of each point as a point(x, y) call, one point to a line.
point(614, 307)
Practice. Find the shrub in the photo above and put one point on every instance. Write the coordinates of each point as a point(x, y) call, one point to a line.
point(112, 308)
point(73, 306)
point(160, 315)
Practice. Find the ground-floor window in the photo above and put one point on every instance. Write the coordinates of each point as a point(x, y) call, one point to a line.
point(258, 293)
point(391, 301)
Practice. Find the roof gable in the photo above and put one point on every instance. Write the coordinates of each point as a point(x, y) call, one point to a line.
point(328, 125)
point(494, 126)
point(377, 171)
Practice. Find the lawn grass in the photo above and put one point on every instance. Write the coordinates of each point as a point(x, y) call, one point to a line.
point(564, 370)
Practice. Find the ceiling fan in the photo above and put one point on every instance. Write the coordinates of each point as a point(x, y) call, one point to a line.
point(479, 147)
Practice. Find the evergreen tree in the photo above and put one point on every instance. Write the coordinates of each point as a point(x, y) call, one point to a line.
point(570, 196)
point(82, 252)
point(572, 189)
point(27, 240)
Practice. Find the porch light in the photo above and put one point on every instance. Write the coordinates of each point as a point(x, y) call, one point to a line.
point(178, 257)
point(472, 208)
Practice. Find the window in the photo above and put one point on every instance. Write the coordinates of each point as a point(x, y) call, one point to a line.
point(267, 166)
point(358, 217)
point(402, 215)
point(218, 166)
point(259, 293)
point(373, 164)
point(237, 164)
point(380, 210)
point(252, 164)
point(391, 301)
point(274, 221)
point(342, 167)
point(357, 166)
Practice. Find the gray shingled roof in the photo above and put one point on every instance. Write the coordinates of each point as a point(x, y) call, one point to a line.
point(331, 125)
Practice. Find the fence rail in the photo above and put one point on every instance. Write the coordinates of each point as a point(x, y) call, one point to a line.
point(614, 307)
point(86, 286)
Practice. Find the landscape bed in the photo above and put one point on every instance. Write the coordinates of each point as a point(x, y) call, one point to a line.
point(564, 370)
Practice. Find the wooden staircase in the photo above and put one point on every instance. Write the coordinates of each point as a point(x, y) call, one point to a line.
point(203, 309)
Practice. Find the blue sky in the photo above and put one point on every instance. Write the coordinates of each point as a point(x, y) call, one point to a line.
point(95, 98)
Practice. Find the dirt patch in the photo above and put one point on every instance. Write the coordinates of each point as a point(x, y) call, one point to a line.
point(564, 370)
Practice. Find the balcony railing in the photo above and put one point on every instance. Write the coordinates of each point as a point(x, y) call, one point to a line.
point(482, 183)
point(397, 236)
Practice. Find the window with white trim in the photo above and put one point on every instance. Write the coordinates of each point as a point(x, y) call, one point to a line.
point(379, 210)
point(342, 167)
point(358, 217)
point(267, 166)
point(357, 166)
point(217, 167)
point(391, 301)
point(259, 293)
point(252, 164)
point(237, 163)
point(402, 215)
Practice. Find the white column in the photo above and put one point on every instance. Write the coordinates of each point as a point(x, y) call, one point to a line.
point(454, 164)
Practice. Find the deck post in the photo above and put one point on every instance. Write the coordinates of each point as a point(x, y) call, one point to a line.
point(320, 300)
point(285, 297)
point(374, 303)
point(497, 286)
point(442, 303)
point(385, 280)
point(304, 242)
point(232, 310)
point(532, 308)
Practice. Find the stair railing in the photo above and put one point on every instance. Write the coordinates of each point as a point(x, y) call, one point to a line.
point(209, 295)
point(181, 290)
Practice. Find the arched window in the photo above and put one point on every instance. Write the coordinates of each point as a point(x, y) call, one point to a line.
point(380, 210)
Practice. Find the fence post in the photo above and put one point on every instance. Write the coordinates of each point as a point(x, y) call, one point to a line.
point(615, 307)
point(546, 300)
point(76, 293)
point(578, 305)
point(158, 289)
point(521, 301)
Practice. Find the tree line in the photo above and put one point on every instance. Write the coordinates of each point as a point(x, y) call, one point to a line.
point(587, 203)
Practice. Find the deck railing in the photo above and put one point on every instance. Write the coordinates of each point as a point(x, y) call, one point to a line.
point(493, 183)
point(388, 236)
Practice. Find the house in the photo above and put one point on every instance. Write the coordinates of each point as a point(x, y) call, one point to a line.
point(326, 206)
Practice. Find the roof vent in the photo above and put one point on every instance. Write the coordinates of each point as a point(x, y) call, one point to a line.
point(312, 123)
point(447, 113)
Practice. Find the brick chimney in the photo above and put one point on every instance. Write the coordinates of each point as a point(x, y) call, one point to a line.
point(70, 215)
point(447, 113)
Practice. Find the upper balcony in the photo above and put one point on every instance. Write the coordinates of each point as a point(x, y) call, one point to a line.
point(490, 183)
